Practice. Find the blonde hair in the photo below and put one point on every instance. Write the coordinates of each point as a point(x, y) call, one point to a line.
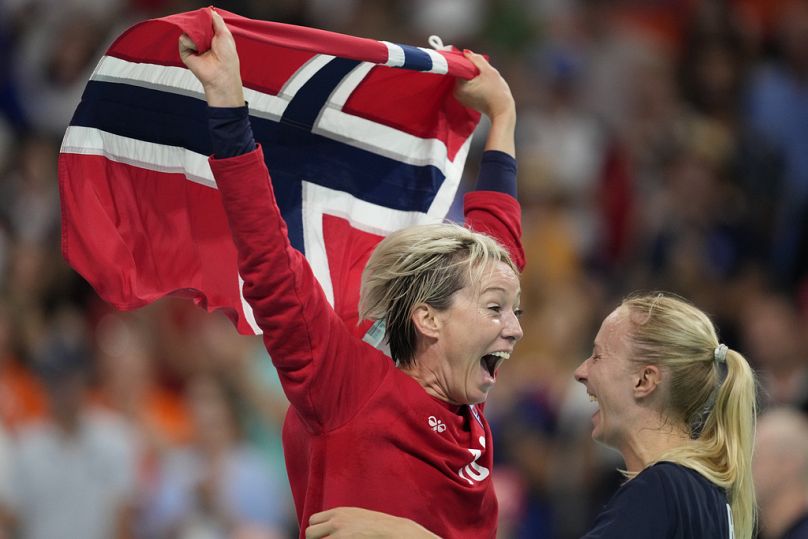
point(422, 264)
point(711, 390)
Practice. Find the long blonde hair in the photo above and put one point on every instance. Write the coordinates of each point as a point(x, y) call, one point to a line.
point(712, 390)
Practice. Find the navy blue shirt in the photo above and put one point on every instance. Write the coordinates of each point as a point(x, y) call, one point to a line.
point(798, 530)
point(665, 500)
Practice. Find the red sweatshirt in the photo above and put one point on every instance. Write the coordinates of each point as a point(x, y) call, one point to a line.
point(359, 432)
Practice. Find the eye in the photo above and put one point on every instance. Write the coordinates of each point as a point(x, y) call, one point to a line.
point(518, 312)
point(495, 308)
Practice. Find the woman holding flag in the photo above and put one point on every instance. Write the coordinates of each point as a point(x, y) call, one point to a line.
point(407, 438)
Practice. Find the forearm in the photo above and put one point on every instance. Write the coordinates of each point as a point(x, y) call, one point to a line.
point(358, 522)
point(497, 173)
point(230, 131)
point(492, 208)
point(501, 134)
point(278, 283)
point(489, 94)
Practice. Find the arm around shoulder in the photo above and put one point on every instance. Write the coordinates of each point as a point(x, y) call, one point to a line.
point(356, 522)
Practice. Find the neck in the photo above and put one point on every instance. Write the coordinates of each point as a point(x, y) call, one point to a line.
point(646, 444)
point(427, 377)
point(781, 511)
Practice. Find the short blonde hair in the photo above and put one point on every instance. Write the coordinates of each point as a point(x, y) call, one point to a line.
point(422, 264)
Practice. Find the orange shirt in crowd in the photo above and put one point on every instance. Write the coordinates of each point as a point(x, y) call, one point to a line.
point(22, 397)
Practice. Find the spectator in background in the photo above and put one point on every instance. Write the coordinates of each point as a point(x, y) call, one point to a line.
point(217, 487)
point(243, 364)
point(22, 397)
point(777, 109)
point(688, 245)
point(775, 343)
point(73, 472)
point(780, 469)
point(5, 483)
point(56, 56)
point(129, 384)
point(30, 193)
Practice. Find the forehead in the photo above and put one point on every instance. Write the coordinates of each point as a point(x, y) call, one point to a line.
point(614, 331)
point(495, 276)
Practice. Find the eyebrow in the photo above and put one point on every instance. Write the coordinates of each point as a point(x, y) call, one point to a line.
point(499, 289)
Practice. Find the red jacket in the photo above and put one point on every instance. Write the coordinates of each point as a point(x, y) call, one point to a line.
point(359, 432)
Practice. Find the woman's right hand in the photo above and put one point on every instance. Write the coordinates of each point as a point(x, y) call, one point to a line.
point(490, 94)
point(487, 92)
point(363, 523)
point(218, 68)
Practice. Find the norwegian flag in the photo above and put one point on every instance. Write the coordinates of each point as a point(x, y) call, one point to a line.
point(361, 137)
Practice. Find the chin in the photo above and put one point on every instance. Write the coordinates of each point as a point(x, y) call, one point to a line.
point(478, 398)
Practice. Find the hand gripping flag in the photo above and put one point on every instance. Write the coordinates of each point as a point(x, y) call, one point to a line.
point(361, 138)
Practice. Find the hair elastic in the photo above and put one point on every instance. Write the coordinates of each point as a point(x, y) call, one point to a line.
point(720, 353)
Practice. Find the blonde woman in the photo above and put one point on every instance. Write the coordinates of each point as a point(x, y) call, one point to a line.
point(680, 408)
point(408, 437)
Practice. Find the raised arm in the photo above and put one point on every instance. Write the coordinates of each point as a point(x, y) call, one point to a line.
point(326, 372)
point(489, 94)
point(493, 208)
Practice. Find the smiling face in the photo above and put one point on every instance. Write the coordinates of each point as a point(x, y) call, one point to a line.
point(608, 375)
point(472, 337)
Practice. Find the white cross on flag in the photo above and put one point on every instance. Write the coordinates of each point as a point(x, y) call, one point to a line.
point(361, 137)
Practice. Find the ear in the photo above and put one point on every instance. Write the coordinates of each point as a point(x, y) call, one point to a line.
point(426, 321)
point(646, 381)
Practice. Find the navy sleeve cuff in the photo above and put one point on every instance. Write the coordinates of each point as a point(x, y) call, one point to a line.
point(230, 131)
point(497, 173)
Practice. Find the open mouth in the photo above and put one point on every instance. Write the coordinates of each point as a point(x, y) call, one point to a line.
point(491, 362)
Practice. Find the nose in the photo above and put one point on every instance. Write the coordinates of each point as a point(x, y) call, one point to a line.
point(581, 372)
point(513, 329)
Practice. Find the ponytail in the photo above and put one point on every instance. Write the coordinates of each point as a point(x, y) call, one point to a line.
point(712, 390)
point(723, 450)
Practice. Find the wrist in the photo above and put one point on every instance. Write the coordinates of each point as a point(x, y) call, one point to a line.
point(505, 115)
point(225, 95)
point(224, 99)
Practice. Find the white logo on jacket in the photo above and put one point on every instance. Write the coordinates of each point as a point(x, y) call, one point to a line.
point(473, 472)
point(436, 424)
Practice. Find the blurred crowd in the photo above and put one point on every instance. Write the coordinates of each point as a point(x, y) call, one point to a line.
point(662, 144)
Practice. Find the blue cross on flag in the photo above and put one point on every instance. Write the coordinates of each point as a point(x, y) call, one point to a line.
point(361, 137)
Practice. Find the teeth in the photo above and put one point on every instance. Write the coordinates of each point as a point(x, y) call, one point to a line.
point(503, 355)
point(592, 398)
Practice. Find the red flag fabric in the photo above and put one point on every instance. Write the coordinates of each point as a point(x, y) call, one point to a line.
point(361, 137)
